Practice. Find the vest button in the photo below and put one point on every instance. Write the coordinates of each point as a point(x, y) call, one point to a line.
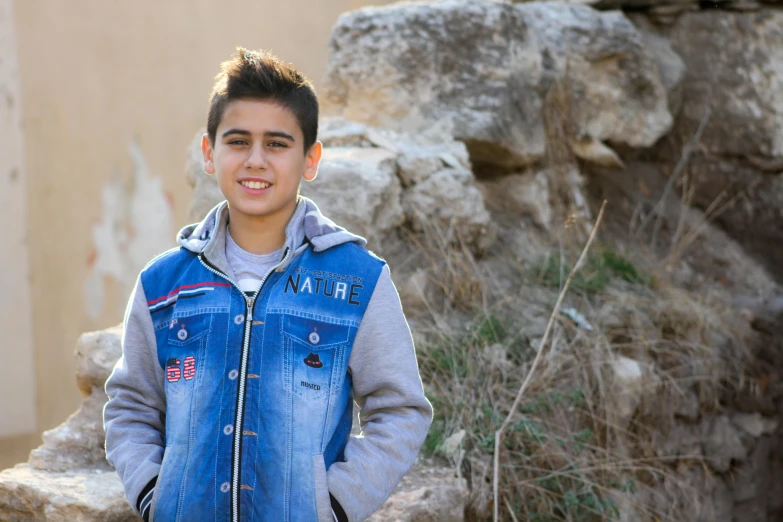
point(225, 487)
point(239, 319)
point(233, 374)
point(182, 334)
point(314, 337)
point(229, 429)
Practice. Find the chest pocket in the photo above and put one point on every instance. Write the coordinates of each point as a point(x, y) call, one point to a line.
point(315, 353)
point(189, 330)
point(187, 335)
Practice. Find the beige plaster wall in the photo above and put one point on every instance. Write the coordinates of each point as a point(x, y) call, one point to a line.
point(17, 384)
point(112, 95)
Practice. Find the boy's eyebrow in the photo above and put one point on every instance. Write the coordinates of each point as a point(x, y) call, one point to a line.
point(236, 131)
point(269, 134)
point(279, 134)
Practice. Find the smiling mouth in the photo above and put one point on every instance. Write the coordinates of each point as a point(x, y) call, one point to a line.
point(255, 185)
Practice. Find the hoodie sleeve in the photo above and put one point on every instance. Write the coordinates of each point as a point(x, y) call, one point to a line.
point(395, 415)
point(134, 416)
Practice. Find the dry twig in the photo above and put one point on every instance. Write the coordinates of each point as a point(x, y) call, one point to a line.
point(536, 360)
point(680, 167)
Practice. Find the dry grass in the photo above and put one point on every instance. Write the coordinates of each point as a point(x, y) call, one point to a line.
point(570, 454)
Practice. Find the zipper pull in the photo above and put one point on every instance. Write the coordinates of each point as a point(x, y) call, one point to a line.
point(249, 315)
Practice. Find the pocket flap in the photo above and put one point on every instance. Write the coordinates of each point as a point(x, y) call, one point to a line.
point(314, 333)
point(186, 330)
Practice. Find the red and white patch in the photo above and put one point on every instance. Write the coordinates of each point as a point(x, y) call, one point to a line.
point(190, 367)
point(173, 372)
point(187, 290)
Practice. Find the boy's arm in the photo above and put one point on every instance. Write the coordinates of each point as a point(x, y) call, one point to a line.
point(395, 415)
point(134, 416)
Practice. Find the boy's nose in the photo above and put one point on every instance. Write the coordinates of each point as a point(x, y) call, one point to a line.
point(257, 158)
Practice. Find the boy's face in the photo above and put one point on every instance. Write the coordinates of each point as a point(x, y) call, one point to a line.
point(259, 160)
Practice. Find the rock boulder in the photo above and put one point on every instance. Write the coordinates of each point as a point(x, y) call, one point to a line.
point(67, 478)
point(358, 189)
point(734, 64)
point(485, 68)
point(426, 495)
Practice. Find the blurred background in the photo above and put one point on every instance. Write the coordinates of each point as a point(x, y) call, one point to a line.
point(100, 101)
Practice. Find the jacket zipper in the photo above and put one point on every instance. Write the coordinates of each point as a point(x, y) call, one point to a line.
point(250, 302)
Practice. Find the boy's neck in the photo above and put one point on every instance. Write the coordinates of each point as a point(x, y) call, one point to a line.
point(259, 235)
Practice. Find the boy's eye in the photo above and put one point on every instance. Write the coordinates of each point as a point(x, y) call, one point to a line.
point(277, 144)
point(237, 142)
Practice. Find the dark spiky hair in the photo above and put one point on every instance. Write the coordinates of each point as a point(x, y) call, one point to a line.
point(259, 75)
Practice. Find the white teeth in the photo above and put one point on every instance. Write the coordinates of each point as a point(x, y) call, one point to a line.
point(255, 184)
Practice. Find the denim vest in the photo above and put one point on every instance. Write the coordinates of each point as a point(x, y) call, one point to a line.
point(259, 398)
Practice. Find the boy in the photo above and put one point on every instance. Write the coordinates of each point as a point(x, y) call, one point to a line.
point(245, 347)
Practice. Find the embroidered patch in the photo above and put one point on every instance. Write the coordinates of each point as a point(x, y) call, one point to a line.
point(173, 372)
point(313, 361)
point(182, 292)
point(190, 367)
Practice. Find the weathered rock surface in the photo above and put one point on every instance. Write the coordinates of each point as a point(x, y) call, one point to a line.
point(96, 354)
point(28, 494)
point(662, 5)
point(450, 196)
point(602, 62)
point(436, 176)
point(735, 60)
point(627, 381)
point(358, 189)
point(78, 443)
point(523, 194)
point(474, 64)
point(484, 67)
point(67, 478)
point(734, 63)
point(722, 443)
point(426, 495)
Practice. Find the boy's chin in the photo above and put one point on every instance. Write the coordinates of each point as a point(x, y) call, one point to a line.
point(254, 211)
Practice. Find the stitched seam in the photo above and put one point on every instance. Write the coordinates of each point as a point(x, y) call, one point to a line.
point(310, 315)
point(206, 310)
point(289, 425)
point(220, 411)
point(257, 442)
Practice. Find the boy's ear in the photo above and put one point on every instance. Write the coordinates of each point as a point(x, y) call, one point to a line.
point(313, 160)
point(206, 152)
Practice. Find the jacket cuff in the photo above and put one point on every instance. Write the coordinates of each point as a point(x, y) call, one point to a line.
point(144, 501)
point(337, 509)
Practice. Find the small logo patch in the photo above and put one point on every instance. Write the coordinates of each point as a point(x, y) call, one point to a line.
point(310, 385)
point(173, 373)
point(313, 361)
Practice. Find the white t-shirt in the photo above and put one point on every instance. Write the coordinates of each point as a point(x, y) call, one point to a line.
point(249, 269)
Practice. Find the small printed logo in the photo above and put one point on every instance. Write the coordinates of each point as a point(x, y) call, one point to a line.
point(313, 361)
point(310, 385)
point(173, 373)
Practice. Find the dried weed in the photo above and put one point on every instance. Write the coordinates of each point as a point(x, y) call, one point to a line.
point(582, 447)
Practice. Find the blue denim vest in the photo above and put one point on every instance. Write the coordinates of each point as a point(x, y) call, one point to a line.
point(259, 399)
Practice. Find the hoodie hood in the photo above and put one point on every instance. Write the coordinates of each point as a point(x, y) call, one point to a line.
point(307, 227)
